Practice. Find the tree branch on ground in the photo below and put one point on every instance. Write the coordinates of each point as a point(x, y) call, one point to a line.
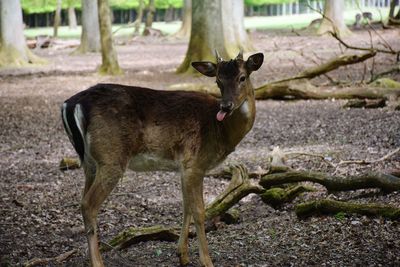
point(329, 207)
point(46, 261)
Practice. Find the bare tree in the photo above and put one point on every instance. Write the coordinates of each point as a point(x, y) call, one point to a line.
point(108, 54)
point(219, 25)
point(57, 18)
point(333, 20)
point(139, 17)
point(71, 15)
point(149, 17)
point(90, 37)
point(13, 48)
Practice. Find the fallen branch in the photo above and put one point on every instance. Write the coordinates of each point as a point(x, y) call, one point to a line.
point(46, 261)
point(332, 64)
point(239, 187)
point(275, 197)
point(365, 103)
point(134, 235)
point(328, 206)
point(385, 182)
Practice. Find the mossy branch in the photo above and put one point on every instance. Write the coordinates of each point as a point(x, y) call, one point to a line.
point(328, 206)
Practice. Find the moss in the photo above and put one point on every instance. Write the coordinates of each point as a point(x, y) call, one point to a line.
point(385, 83)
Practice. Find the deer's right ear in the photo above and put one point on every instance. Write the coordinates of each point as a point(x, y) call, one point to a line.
point(207, 68)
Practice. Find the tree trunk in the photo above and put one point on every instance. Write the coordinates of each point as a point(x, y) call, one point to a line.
point(219, 25)
point(90, 36)
point(149, 17)
point(333, 20)
point(108, 54)
point(13, 48)
point(184, 31)
point(139, 17)
point(72, 18)
point(57, 19)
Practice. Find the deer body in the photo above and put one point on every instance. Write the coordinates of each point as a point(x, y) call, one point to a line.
point(115, 127)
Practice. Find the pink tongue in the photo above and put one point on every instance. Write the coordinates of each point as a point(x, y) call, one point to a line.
point(221, 115)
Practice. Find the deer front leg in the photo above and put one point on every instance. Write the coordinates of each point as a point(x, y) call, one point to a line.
point(183, 249)
point(106, 179)
point(192, 187)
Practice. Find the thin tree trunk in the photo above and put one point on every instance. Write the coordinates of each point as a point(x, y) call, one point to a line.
point(72, 18)
point(149, 17)
point(139, 17)
point(90, 37)
point(57, 18)
point(108, 54)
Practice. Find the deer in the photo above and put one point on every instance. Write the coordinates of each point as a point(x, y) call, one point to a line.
point(115, 127)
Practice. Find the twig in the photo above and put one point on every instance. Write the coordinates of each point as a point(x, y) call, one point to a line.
point(334, 35)
point(46, 261)
point(395, 69)
point(368, 162)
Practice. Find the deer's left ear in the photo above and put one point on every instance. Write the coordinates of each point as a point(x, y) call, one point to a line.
point(204, 67)
point(254, 62)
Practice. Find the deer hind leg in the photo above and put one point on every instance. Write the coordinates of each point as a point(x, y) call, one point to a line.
point(192, 185)
point(96, 191)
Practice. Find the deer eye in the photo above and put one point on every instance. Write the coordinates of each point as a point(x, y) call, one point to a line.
point(242, 79)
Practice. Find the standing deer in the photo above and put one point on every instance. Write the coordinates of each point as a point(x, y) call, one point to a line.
point(113, 127)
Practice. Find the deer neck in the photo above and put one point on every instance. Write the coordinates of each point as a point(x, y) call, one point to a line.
point(240, 122)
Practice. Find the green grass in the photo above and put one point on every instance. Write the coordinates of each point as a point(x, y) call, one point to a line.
point(260, 23)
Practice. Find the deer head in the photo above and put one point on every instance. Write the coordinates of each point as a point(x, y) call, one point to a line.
point(232, 78)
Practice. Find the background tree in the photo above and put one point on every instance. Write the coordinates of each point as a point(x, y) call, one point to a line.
point(13, 48)
point(57, 18)
point(219, 25)
point(108, 54)
point(139, 18)
point(333, 20)
point(71, 15)
point(151, 9)
point(90, 36)
point(184, 31)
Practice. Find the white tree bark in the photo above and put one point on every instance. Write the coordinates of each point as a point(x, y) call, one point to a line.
point(90, 37)
point(13, 48)
point(72, 18)
point(333, 20)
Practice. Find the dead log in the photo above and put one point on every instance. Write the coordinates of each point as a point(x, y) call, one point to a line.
point(385, 182)
point(328, 206)
point(303, 89)
point(275, 197)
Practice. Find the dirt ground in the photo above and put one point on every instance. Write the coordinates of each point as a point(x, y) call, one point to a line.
point(39, 205)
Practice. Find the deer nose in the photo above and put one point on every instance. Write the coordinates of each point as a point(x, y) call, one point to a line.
point(227, 106)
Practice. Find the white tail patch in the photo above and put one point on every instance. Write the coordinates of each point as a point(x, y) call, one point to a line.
point(64, 117)
point(79, 119)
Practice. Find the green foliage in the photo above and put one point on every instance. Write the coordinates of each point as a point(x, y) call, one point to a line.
point(266, 2)
point(44, 6)
point(340, 216)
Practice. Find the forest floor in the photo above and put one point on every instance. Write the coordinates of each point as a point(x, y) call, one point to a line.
point(39, 205)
